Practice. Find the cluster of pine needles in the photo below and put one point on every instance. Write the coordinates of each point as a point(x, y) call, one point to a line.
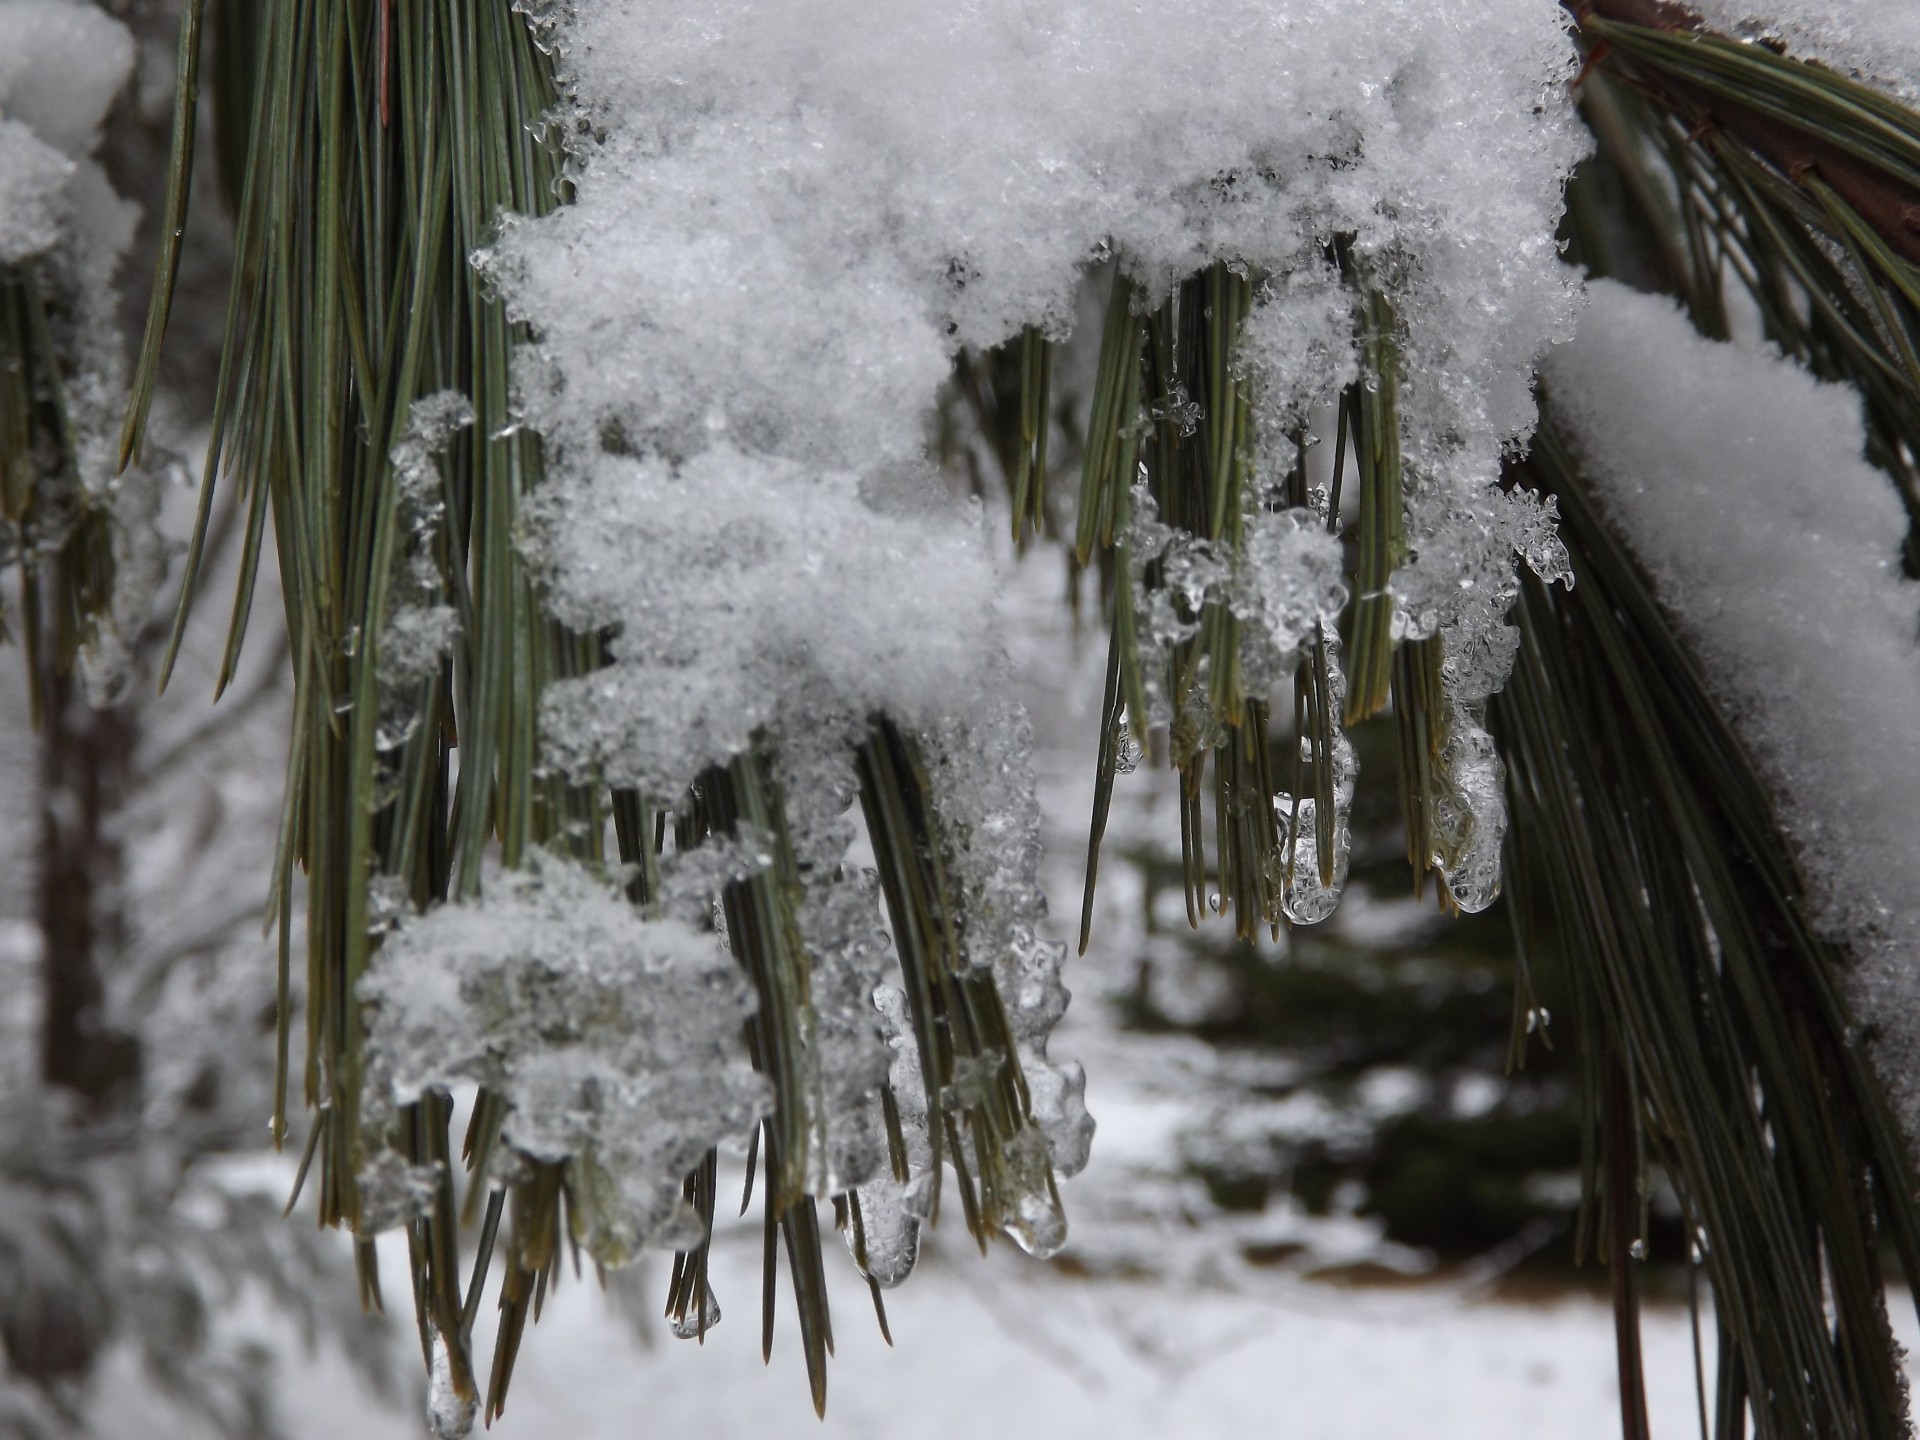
point(366, 150)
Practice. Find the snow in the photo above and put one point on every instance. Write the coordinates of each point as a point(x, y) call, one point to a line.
point(33, 176)
point(745, 588)
point(987, 1348)
point(614, 1039)
point(62, 66)
point(1739, 483)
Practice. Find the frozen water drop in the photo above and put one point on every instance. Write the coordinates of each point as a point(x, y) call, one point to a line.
point(449, 1413)
point(690, 1325)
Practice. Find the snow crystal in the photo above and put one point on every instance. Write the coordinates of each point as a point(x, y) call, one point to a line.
point(1740, 486)
point(614, 1039)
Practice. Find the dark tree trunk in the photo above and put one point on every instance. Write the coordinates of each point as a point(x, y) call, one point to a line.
point(84, 765)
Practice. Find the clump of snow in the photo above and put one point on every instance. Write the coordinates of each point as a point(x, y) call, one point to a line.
point(1739, 484)
point(614, 1039)
point(749, 592)
point(61, 66)
point(791, 217)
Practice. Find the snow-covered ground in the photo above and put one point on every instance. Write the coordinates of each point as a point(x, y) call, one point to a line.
point(993, 1348)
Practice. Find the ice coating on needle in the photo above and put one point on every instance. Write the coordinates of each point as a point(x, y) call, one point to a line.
point(982, 778)
point(420, 627)
point(614, 1039)
point(839, 916)
point(1740, 486)
point(450, 1415)
point(886, 1243)
point(1295, 862)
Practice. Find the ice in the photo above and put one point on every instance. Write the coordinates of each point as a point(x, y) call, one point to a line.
point(450, 1414)
point(1458, 586)
point(892, 1207)
point(421, 627)
point(839, 914)
point(1295, 863)
point(982, 778)
point(1739, 484)
point(614, 1039)
point(698, 1320)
